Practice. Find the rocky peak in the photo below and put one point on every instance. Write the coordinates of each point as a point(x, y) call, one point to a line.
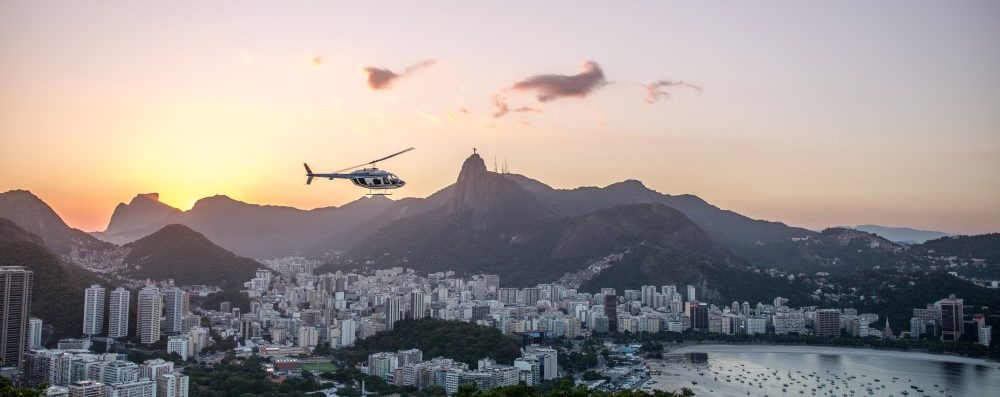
point(142, 214)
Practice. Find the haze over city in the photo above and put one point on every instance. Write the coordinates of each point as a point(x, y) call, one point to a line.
point(812, 114)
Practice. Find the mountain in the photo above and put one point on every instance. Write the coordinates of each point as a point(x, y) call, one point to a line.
point(903, 235)
point(832, 250)
point(33, 215)
point(11, 232)
point(188, 257)
point(491, 223)
point(488, 223)
point(56, 283)
point(736, 231)
point(140, 217)
point(983, 246)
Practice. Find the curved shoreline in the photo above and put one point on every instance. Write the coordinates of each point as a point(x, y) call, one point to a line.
point(831, 350)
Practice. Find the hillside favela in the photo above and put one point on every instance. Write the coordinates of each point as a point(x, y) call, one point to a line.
point(499, 199)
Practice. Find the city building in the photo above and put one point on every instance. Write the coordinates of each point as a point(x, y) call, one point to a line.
point(611, 312)
point(392, 312)
point(827, 322)
point(348, 332)
point(150, 306)
point(35, 333)
point(698, 313)
point(15, 312)
point(172, 385)
point(93, 310)
point(179, 345)
point(176, 304)
point(118, 312)
point(86, 388)
point(952, 318)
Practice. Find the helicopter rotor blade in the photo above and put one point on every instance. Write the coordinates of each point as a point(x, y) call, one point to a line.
point(375, 161)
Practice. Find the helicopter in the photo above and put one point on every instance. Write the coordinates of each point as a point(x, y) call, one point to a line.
point(371, 178)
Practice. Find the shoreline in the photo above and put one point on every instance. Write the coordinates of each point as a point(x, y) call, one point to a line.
point(828, 350)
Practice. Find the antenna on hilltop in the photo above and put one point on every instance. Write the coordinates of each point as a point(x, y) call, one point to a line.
point(495, 164)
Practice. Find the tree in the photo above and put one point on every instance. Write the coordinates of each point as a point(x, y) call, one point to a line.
point(435, 391)
point(8, 390)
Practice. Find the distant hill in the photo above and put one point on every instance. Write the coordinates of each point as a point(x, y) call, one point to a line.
point(35, 216)
point(58, 286)
point(261, 231)
point(983, 246)
point(188, 257)
point(903, 235)
point(832, 250)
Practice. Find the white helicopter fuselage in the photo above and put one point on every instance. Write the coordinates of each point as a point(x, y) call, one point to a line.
point(374, 178)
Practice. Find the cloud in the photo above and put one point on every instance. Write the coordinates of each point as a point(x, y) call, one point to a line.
point(657, 89)
point(382, 78)
point(554, 86)
point(502, 108)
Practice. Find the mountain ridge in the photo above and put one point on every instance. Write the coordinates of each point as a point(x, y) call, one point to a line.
point(904, 235)
point(177, 252)
point(32, 214)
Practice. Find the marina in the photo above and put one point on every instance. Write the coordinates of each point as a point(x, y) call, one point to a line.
point(819, 371)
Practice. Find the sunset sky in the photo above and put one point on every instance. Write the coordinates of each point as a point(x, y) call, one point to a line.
point(812, 113)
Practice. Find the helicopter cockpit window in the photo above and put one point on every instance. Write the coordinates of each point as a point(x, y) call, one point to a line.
point(385, 180)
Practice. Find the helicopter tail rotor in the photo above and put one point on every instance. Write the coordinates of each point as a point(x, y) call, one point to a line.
point(309, 174)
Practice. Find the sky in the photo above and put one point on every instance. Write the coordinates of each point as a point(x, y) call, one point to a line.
point(815, 114)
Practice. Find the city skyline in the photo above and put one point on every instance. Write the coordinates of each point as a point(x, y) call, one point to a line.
point(812, 115)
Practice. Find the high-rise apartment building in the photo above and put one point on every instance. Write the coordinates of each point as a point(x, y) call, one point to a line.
point(611, 312)
point(150, 308)
point(93, 310)
point(392, 312)
point(118, 313)
point(827, 322)
point(952, 317)
point(35, 333)
point(418, 305)
point(15, 309)
point(175, 307)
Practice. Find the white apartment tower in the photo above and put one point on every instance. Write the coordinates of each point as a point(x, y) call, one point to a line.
point(35, 333)
point(93, 310)
point(118, 313)
point(150, 310)
point(418, 305)
point(176, 303)
point(348, 332)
